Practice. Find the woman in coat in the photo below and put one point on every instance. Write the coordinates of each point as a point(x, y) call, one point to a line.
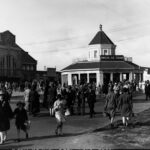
point(125, 106)
point(110, 105)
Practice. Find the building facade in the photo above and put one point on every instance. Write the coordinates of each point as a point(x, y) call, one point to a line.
point(15, 63)
point(102, 66)
point(49, 75)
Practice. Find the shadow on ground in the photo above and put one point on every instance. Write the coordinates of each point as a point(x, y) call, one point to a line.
point(12, 146)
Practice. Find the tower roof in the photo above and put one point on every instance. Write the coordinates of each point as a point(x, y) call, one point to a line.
point(103, 65)
point(101, 38)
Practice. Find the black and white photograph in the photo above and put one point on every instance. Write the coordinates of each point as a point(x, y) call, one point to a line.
point(74, 74)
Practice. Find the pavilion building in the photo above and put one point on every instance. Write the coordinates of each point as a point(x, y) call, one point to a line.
point(102, 66)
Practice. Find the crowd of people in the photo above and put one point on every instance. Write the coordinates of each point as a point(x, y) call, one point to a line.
point(62, 101)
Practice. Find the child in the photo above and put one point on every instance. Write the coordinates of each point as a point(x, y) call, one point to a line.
point(59, 114)
point(21, 119)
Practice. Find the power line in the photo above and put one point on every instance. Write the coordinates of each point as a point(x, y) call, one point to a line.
point(64, 49)
point(83, 47)
point(85, 35)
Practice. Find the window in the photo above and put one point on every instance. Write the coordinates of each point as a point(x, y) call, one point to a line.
point(14, 63)
point(8, 61)
point(31, 67)
point(105, 51)
point(28, 68)
point(95, 54)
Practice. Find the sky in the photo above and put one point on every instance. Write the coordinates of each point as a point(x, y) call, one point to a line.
point(56, 32)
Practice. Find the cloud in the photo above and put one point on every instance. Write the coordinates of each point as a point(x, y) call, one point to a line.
point(61, 29)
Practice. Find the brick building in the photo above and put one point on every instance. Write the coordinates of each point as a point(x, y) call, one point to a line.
point(15, 63)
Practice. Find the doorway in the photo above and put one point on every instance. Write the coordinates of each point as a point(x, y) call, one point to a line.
point(116, 77)
point(106, 78)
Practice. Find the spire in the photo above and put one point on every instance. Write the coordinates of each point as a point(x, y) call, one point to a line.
point(100, 27)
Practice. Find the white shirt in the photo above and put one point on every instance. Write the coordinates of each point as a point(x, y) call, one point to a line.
point(26, 95)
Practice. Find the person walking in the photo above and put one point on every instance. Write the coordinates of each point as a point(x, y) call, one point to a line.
point(105, 89)
point(34, 101)
point(51, 98)
point(70, 100)
point(26, 96)
point(147, 90)
point(83, 98)
point(79, 100)
point(45, 99)
point(91, 99)
point(5, 103)
point(59, 106)
point(4, 122)
point(125, 106)
point(21, 120)
point(110, 105)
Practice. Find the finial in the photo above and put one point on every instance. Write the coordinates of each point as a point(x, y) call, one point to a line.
point(100, 27)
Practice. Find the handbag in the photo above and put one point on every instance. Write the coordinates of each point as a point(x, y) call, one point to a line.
point(27, 124)
point(67, 112)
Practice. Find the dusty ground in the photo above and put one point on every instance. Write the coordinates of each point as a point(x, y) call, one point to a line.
point(82, 132)
point(135, 136)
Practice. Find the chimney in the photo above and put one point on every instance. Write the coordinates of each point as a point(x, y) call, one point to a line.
point(45, 68)
point(100, 27)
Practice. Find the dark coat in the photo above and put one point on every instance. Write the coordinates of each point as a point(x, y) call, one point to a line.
point(51, 97)
point(70, 98)
point(4, 120)
point(7, 109)
point(6, 96)
point(34, 101)
point(91, 97)
point(147, 89)
point(105, 89)
point(21, 116)
point(45, 102)
point(117, 95)
point(125, 105)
